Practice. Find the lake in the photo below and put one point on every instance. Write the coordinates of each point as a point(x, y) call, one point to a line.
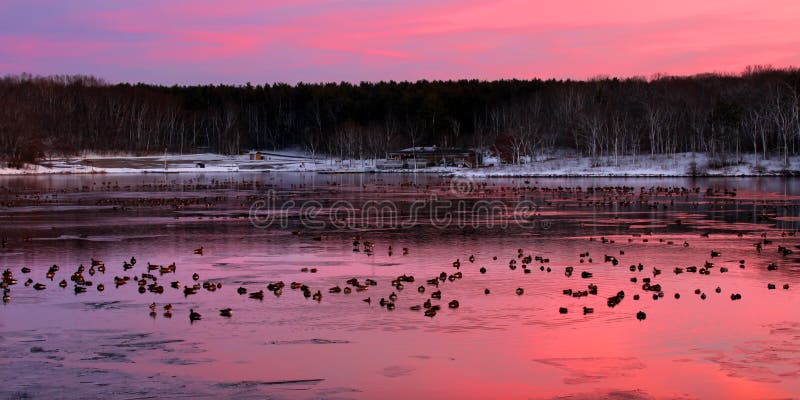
point(522, 328)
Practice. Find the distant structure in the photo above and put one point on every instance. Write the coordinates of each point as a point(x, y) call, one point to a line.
point(422, 157)
point(256, 155)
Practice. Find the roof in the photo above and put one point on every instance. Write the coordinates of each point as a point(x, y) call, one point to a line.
point(434, 150)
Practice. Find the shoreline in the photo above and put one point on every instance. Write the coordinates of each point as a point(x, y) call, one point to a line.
point(558, 165)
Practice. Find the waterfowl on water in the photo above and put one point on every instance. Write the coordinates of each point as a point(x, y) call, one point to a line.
point(226, 312)
point(199, 250)
point(194, 316)
point(641, 316)
point(259, 295)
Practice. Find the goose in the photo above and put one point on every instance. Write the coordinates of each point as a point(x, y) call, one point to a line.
point(226, 312)
point(194, 316)
point(199, 250)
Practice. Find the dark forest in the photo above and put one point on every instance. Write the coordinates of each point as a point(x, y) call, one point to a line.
point(726, 116)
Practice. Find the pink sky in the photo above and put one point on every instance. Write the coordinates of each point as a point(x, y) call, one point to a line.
point(236, 41)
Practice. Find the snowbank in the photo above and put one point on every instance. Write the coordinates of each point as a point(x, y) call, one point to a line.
point(559, 163)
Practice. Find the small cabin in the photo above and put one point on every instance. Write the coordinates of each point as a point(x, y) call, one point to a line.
point(256, 156)
point(422, 157)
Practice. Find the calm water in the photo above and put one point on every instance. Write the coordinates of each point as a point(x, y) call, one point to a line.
point(58, 344)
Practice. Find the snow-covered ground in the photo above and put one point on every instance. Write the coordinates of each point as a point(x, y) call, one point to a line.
point(559, 163)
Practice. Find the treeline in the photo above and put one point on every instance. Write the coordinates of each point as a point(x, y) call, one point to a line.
point(723, 115)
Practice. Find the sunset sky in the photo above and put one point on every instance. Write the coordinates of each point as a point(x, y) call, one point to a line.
point(236, 41)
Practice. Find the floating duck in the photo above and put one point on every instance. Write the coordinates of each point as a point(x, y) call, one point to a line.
point(259, 295)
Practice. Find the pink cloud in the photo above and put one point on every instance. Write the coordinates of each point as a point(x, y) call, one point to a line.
point(318, 40)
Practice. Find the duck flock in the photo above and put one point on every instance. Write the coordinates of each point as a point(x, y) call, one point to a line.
point(156, 279)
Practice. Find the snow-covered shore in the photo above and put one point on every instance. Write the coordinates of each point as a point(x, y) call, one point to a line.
point(559, 164)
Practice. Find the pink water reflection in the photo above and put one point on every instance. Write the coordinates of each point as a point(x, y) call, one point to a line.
point(497, 345)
